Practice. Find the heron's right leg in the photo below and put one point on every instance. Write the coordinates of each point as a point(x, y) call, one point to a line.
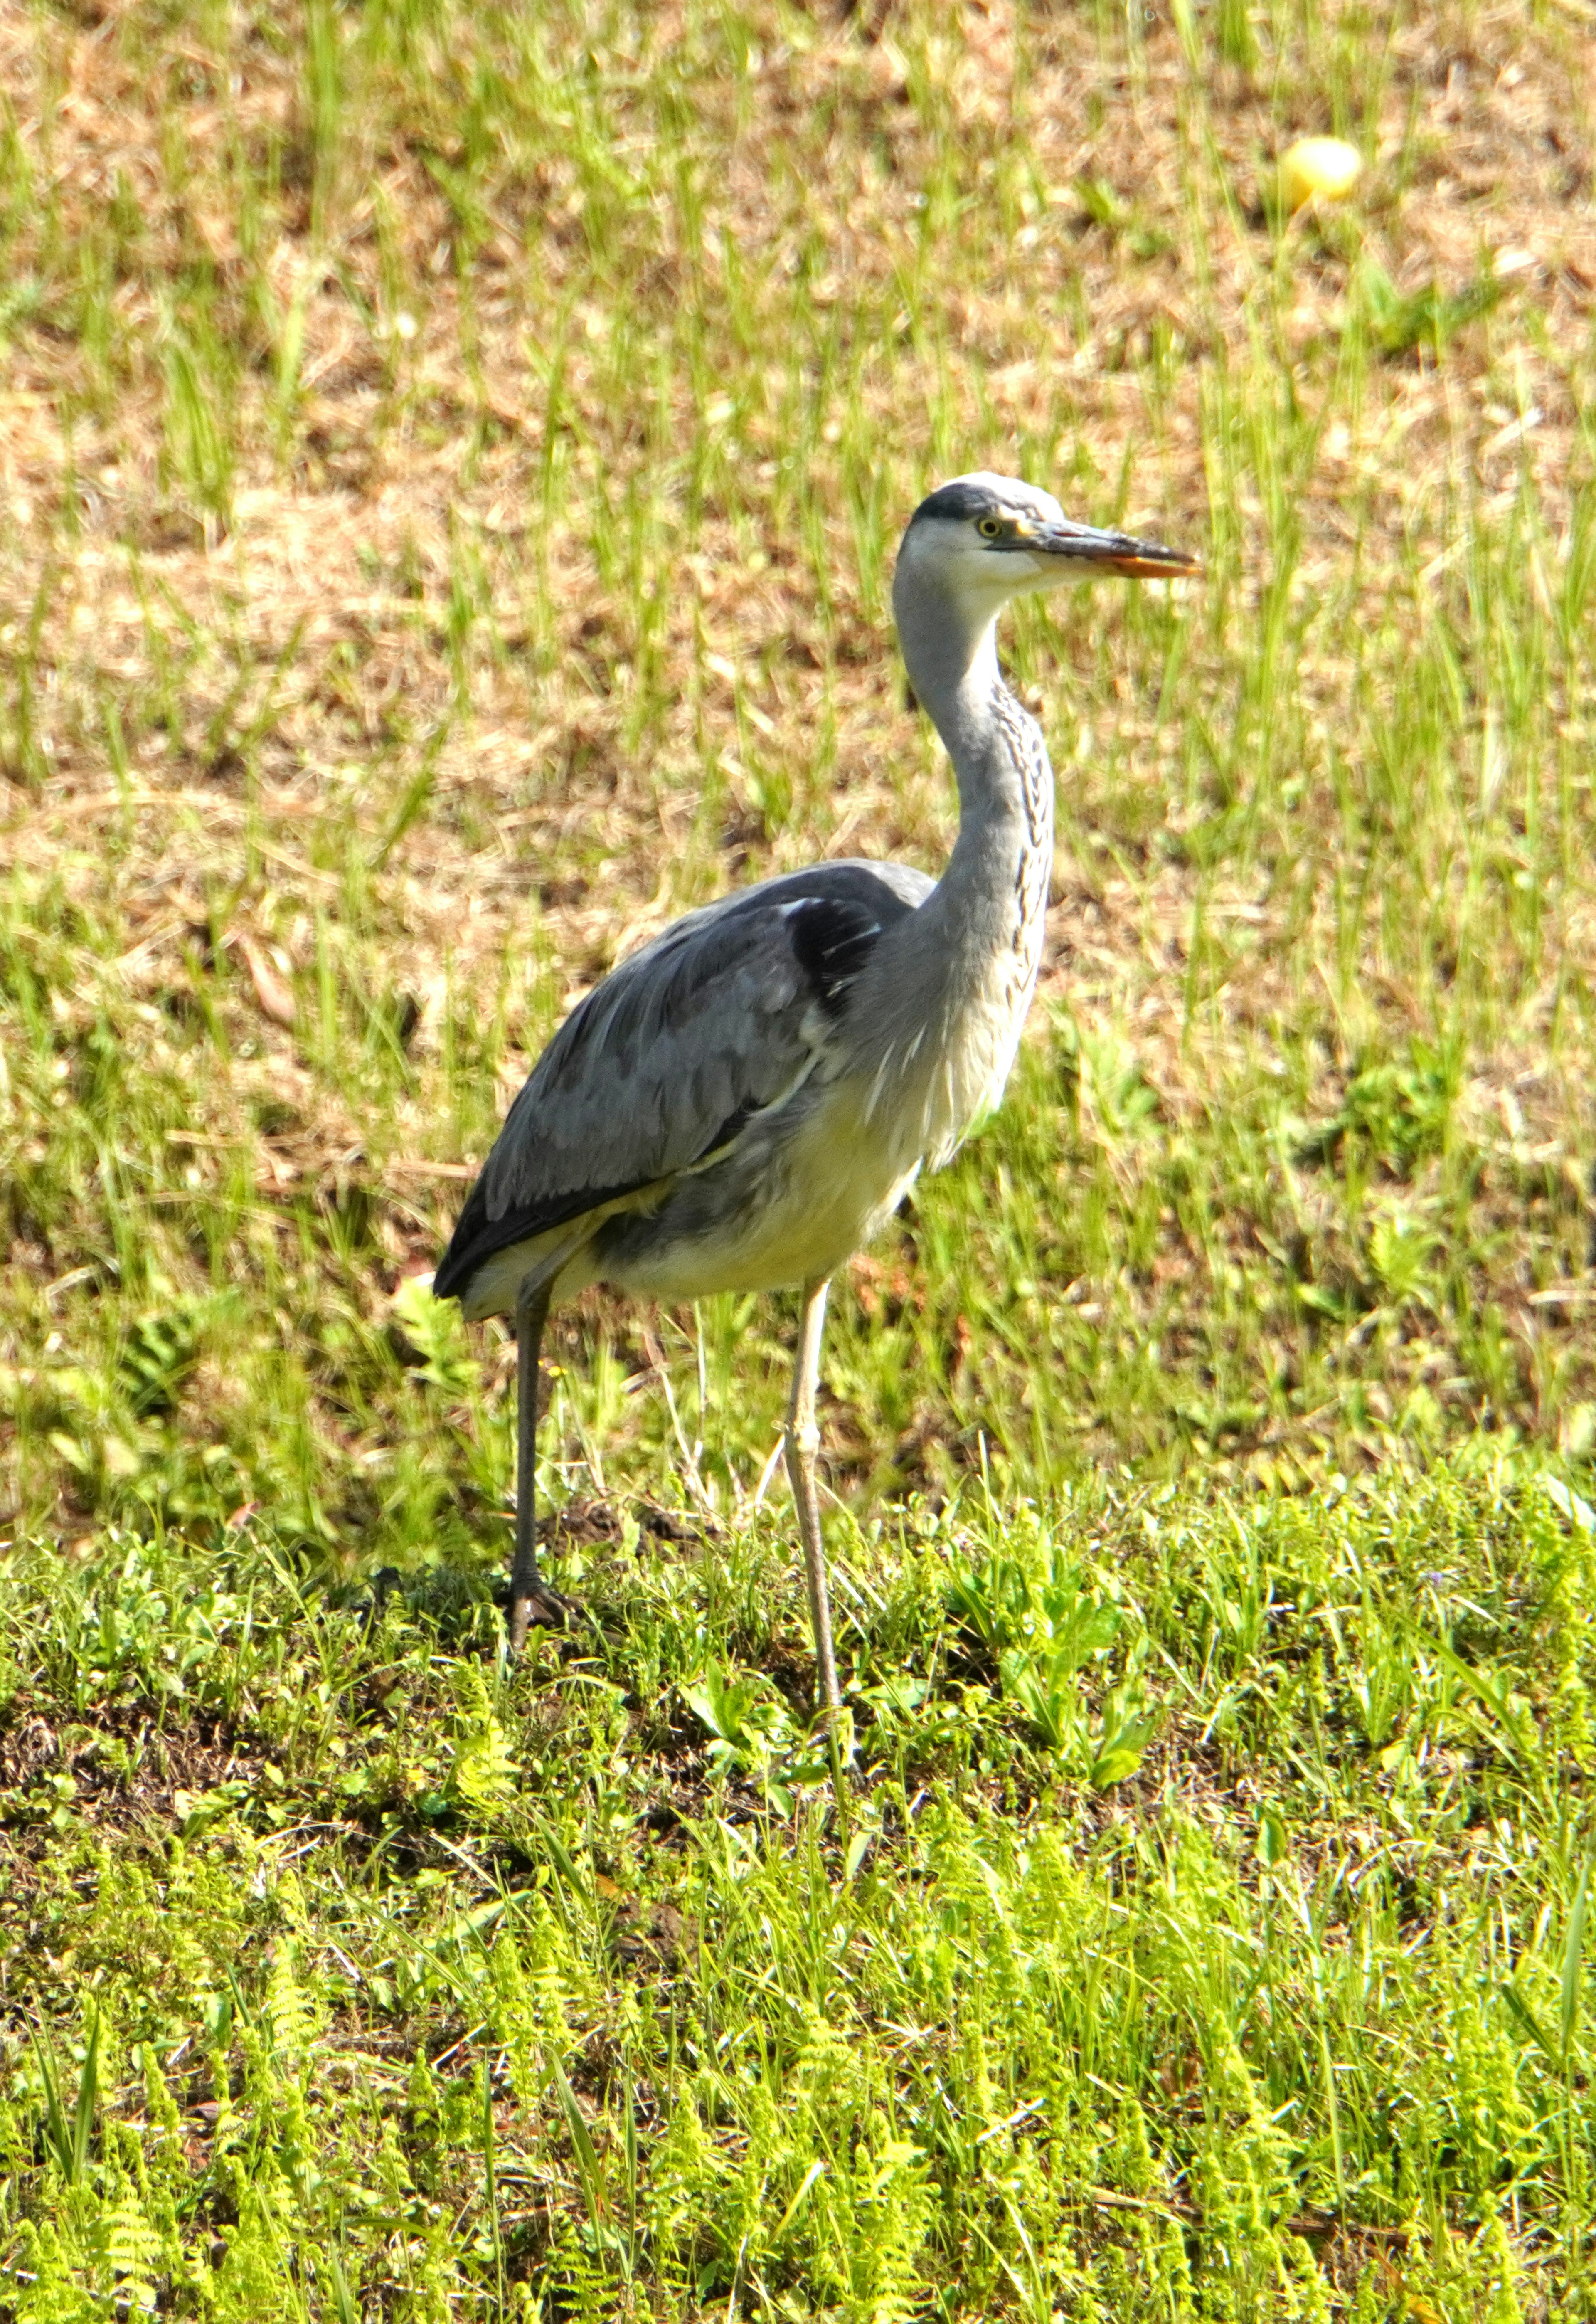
point(531, 1600)
point(803, 1443)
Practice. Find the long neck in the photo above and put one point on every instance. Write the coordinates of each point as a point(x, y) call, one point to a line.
point(1005, 784)
point(945, 994)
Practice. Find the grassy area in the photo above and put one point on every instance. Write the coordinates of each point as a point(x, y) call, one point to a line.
point(450, 462)
point(1204, 1939)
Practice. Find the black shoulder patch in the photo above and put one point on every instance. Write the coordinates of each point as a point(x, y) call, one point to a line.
point(832, 938)
point(958, 500)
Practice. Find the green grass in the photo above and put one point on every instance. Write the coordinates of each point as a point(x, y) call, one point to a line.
point(1205, 1930)
point(450, 465)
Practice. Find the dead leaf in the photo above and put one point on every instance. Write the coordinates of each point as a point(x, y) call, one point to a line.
point(272, 989)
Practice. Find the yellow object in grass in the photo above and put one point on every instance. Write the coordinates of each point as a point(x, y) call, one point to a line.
point(1318, 169)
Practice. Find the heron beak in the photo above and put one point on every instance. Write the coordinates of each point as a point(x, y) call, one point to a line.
point(1110, 552)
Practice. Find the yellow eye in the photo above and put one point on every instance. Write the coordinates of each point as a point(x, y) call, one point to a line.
point(989, 528)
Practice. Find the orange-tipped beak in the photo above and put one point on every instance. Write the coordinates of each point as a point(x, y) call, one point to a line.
point(1110, 552)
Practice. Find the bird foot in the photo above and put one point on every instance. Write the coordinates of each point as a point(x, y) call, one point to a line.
point(542, 1607)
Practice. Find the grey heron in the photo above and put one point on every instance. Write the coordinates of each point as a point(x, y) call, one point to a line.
point(745, 1101)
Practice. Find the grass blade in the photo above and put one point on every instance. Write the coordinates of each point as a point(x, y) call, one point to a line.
point(1573, 1950)
point(590, 2169)
point(88, 2093)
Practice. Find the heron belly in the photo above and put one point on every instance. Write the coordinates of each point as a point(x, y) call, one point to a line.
point(792, 1207)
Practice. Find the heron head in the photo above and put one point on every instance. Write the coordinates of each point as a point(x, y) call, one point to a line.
point(985, 538)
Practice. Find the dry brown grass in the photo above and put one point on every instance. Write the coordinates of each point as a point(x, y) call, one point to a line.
point(402, 445)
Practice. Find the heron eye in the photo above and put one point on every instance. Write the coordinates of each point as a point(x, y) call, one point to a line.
point(989, 528)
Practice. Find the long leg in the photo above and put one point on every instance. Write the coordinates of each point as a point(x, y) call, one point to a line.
point(530, 1597)
point(803, 1443)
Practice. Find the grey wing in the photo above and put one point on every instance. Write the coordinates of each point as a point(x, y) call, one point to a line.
point(662, 1063)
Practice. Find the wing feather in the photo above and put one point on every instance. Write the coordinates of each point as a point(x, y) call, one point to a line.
point(665, 1062)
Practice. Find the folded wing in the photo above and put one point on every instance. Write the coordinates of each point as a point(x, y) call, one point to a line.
point(663, 1064)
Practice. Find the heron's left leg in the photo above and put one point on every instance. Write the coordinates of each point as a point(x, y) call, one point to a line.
point(803, 1443)
point(531, 1599)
